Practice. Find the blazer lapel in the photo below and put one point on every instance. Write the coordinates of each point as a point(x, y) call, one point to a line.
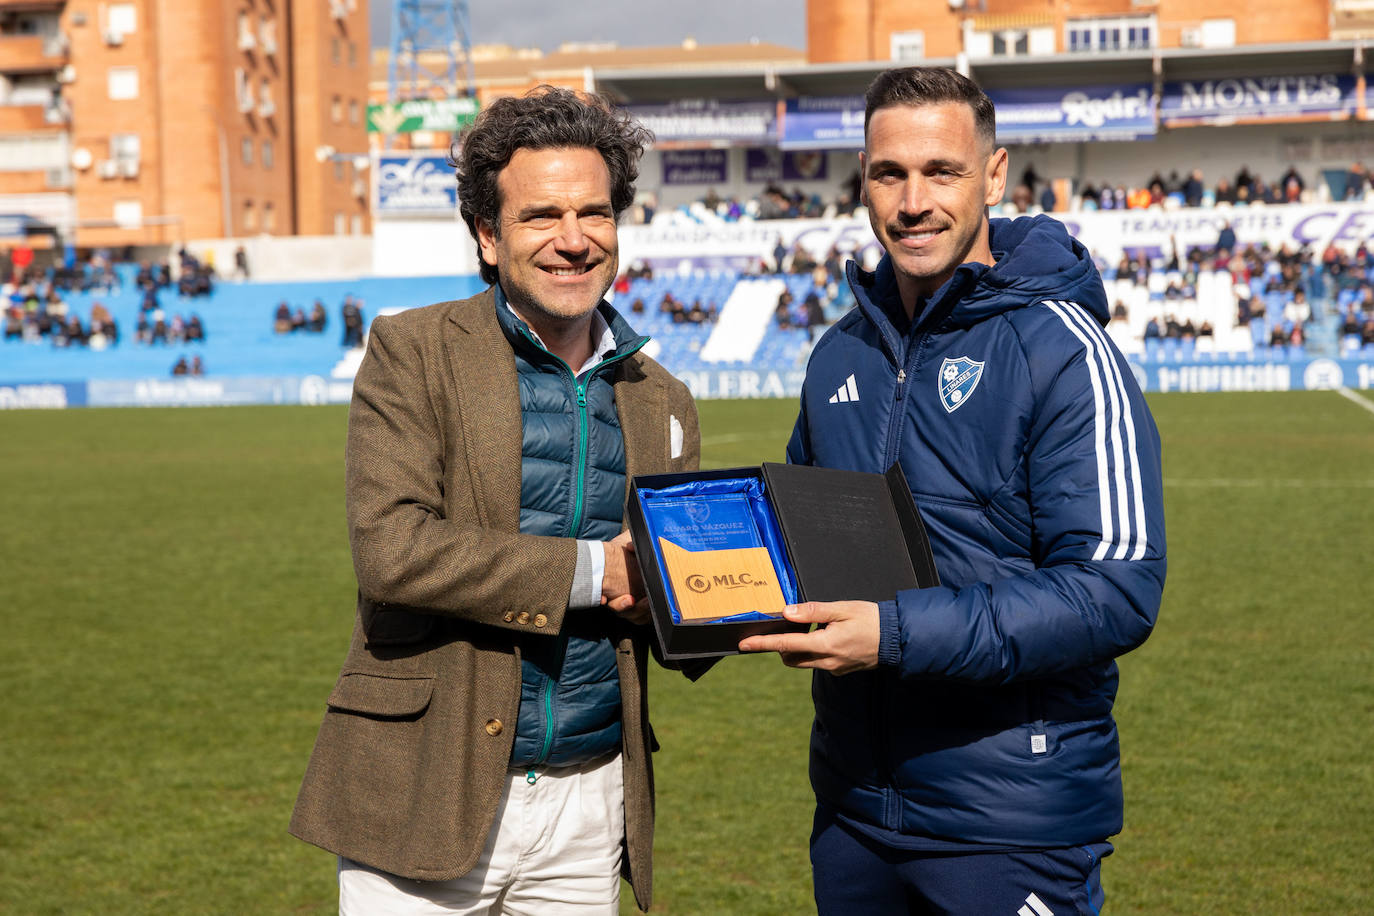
point(642, 405)
point(482, 368)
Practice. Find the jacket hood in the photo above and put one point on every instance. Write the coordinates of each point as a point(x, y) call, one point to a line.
point(1036, 259)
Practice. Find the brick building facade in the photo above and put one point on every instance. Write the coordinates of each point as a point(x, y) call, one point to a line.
point(146, 122)
point(858, 30)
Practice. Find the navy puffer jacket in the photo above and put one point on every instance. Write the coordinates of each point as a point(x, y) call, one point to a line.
point(572, 470)
point(1036, 467)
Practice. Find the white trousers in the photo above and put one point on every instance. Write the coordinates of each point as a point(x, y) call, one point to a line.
point(554, 849)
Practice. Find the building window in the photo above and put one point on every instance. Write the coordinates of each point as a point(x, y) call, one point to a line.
point(250, 217)
point(1218, 33)
point(1095, 36)
point(268, 155)
point(353, 54)
point(121, 18)
point(352, 111)
point(908, 46)
point(334, 49)
point(356, 224)
point(246, 150)
point(338, 170)
point(269, 217)
point(340, 224)
point(123, 83)
point(128, 214)
point(336, 109)
point(125, 150)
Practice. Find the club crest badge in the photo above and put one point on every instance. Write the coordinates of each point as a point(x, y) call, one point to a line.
point(958, 379)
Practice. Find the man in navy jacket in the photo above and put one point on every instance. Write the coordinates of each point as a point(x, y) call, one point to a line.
point(964, 755)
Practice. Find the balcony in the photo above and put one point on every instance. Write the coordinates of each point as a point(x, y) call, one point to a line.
point(32, 53)
point(26, 119)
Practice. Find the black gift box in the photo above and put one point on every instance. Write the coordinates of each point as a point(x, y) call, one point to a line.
point(848, 535)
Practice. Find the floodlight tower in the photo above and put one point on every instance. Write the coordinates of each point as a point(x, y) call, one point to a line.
point(430, 40)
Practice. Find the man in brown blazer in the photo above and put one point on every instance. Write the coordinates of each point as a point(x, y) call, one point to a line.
point(487, 746)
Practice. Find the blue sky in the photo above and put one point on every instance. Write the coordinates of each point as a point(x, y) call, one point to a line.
point(630, 23)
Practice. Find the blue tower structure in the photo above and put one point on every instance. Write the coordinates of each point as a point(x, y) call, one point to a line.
point(430, 41)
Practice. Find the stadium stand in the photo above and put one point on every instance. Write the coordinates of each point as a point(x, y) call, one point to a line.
point(239, 337)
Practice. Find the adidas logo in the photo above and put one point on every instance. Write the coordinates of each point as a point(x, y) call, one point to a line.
point(1034, 907)
point(848, 392)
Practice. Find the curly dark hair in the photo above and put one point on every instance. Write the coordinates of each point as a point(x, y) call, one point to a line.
point(547, 117)
point(918, 86)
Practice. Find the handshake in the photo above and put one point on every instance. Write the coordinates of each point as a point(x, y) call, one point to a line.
point(622, 589)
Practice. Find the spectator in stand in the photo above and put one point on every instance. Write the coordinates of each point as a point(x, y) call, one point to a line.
point(1152, 329)
point(197, 365)
point(1192, 189)
point(1048, 199)
point(176, 331)
point(159, 333)
point(14, 323)
point(1292, 178)
point(1226, 239)
point(1225, 194)
point(180, 367)
point(1021, 198)
point(281, 321)
point(1243, 178)
point(1355, 180)
point(241, 264)
point(195, 329)
point(353, 322)
point(814, 315)
point(1367, 332)
point(143, 330)
point(637, 307)
point(318, 318)
point(298, 320)
point(779, 256)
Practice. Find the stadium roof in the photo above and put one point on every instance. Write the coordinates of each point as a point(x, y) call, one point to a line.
point(655, 84)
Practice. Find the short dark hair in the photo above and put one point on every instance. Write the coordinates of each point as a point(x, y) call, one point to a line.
point(547, 117)
point(931, 86)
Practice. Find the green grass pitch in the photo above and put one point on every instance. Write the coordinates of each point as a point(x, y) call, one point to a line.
point(177, 598)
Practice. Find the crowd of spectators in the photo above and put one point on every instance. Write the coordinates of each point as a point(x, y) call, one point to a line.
point(286, 320)
point(195, 367)
point(1177, 189)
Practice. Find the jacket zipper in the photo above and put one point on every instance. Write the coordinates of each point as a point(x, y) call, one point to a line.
point(580, 484)
point(892, 806)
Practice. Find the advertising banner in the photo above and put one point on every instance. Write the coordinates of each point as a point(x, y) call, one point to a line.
point(449, 115)
point(1301, 375)
point(41, 395)
point(416, 183)
point(774, 165)
point(709, 121)
point(1107, 233)
point(810, 122)
point(1258, 98)
point(1124, 112)
point(1110, 232)
point(695, 166)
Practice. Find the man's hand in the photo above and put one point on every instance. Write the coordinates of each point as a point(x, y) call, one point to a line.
point(846, 639)
point(621, 588)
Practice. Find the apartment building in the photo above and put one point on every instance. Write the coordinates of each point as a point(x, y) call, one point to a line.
point(137, 122)
point(863, 30)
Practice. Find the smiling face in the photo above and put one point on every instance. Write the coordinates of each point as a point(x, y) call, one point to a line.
point(555, 246)
point(928, 179)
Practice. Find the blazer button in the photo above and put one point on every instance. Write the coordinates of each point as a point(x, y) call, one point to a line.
point(540, 620)
point(523, 617)
point(509, 616)
point(494, 727)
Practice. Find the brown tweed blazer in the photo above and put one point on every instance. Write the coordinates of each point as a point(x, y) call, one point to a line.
point(412, 755)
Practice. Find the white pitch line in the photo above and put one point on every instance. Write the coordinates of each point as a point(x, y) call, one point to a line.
point(1355, 398)
point(1290, 483)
